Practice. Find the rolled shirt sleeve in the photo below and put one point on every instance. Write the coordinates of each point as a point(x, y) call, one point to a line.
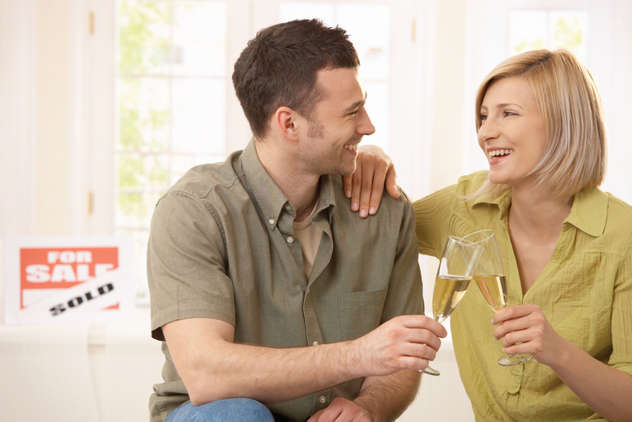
point(186, 264)
point(405, 287)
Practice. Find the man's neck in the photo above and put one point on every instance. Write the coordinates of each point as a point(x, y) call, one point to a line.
point(300, 187)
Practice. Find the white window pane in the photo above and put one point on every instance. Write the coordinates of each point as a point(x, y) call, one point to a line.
point(369, 29)
point(180, 164)
point(198, 116)
point(569, 30)
point(199, 38)
point(293, 10)
point(368, 26)
point(144, 36)
point(550, 29)
point(140, 171)
point(144, 117)
point(135, 209)
point(377, 105)
point(528, 30)
point(138, 240)
point(171, 86)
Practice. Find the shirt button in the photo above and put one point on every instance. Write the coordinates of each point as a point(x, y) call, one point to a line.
point(271, 221)
point(322, 399)
point(289, 239)
point(315, 343)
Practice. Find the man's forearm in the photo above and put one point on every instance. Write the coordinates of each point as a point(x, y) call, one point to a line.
point(212, 367)
point(272, 375)
point(386, 397)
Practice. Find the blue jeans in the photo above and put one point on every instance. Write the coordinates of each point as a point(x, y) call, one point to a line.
point(237, 410)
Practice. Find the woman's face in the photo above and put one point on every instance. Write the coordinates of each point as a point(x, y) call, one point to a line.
point(512, 133)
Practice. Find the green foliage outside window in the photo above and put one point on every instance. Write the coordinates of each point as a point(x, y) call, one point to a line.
point(568, 34)
point(144, 48)
point(529, 45)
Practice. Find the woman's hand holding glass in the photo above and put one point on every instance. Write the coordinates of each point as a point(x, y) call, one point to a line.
point(524, 330)
point(489, 275)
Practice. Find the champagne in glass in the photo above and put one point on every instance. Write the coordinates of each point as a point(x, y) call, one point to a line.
point(447, 293)
point(490, 279)
point(494, 290)
point(453, 277)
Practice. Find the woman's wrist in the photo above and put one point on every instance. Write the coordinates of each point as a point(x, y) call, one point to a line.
point(563, 358)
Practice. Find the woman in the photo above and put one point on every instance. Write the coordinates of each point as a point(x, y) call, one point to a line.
point(567, 248)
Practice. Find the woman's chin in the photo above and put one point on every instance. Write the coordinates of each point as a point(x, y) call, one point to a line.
point(498, 179)
point(495, 178)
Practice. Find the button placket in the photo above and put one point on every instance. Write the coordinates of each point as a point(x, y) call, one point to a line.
point(517, 372)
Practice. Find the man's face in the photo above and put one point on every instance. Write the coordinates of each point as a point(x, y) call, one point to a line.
point(336, 125)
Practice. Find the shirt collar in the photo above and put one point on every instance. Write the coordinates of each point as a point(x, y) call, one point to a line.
point(271, 200)
point(502, 201)
point(588, 212)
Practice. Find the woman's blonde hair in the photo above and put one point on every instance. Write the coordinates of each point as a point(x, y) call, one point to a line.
point(566, 95)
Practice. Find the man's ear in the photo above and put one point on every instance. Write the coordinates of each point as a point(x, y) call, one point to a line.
point(286, 121)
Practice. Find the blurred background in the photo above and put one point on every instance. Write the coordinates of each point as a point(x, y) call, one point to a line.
point(106, 103)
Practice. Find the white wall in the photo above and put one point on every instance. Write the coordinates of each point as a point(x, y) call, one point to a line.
point(54, 81)
point(38, 79)
point(449, 100)
point(16, 116)
point(16, 122)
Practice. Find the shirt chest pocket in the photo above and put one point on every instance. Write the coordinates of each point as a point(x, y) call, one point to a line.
point(583, 299)
point(360, 312)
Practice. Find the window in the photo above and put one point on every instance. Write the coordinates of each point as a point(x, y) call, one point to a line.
point(552, 29)
point(171, 107)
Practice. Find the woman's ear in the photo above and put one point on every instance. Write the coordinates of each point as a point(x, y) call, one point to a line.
point(287, 123)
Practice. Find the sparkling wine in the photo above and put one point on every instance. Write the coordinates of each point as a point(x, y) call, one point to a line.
point(494, 289)
point(448, 291)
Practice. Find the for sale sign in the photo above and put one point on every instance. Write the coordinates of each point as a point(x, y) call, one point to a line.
point(56, 279)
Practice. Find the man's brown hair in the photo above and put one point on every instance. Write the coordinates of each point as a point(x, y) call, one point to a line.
point(278, 68)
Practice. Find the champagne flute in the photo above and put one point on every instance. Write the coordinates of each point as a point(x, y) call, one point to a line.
point(454, 274)
point(490, 278)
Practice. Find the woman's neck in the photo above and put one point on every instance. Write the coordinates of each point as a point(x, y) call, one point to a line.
point(536, 212)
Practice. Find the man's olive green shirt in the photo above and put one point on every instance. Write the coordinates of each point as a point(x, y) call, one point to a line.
point(221, 246)
point(585, 292)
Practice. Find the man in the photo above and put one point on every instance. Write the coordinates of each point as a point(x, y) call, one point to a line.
point(274, 300)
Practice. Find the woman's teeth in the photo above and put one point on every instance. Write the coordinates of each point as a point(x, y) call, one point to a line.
point(499, 152)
